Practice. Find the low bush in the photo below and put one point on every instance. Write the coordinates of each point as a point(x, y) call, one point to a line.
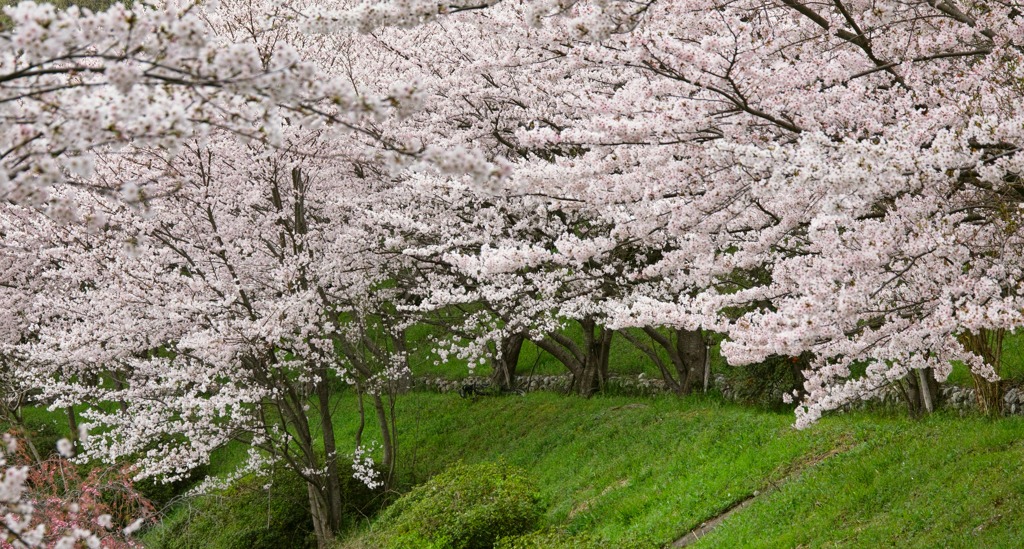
point(465, 507)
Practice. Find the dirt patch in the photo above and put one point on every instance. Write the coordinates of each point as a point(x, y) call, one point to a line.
point(585, 504)
point(631, 406)
point(710, 525)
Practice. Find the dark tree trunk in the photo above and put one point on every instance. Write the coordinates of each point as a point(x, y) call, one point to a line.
point(73, 426)
point(694, 354)
point(506, 360)
point(593, 374)
point(922, 392)
point(332, 481)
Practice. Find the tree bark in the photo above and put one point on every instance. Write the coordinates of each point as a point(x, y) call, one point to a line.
point(73, 426)
point(318, 510)
point(332, 482)
point(387, 440)
point(988, 344)
point(694, 356)
point(596, 347)
point(506, 360)
point(922, 392)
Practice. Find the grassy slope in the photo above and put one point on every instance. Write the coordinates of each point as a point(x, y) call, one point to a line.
point(939, 483)
point(626, 467)
point(623, 468)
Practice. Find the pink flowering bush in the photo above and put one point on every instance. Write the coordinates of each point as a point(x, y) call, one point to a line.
point(97, 506)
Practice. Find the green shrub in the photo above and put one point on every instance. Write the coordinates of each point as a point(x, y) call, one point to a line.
point(465, 507)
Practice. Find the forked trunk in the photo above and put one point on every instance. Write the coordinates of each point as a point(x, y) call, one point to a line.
point(594, 371)
point(320, 513)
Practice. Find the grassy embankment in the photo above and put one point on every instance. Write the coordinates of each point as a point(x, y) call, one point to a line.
point(626, 468)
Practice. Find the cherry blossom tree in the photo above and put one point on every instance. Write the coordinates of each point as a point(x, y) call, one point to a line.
point(221, 320)
point(206, 299)
point(863, 157)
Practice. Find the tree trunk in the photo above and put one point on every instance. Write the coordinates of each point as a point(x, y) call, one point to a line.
point(694, 355)
point(387, 440)
point(332, 482)
point(506, 360)
point(922, 392)
point(988, 344)
point(73, 426)
point(926, 392)
point(596, 347)
point(319, 511)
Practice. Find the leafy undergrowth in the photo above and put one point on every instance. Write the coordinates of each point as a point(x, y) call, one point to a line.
point(254, 513)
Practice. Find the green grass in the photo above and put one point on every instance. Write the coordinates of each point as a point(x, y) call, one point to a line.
point(612, 466)
point(622, 469)
point(943, 482)
point(625, 468)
